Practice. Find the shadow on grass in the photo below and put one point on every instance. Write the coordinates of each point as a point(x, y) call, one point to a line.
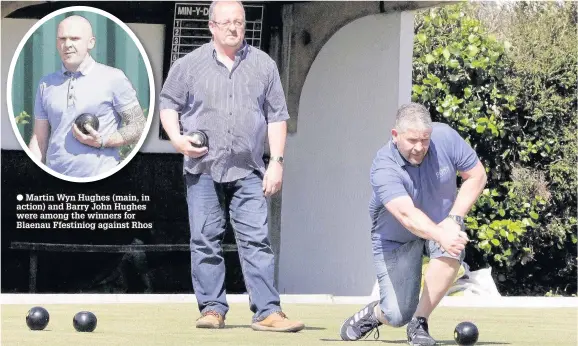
point(452, 342)
point(314, 328)
point(237, 326)
point(439, 342)
point(248, 326)
point(446, 342)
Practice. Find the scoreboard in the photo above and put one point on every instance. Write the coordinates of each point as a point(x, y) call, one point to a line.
point(191, 27)
point(189, 30)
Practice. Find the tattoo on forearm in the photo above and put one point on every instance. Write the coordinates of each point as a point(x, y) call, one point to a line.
point(133, 121)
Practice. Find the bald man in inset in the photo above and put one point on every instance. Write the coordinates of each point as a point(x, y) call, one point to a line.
point(83, 86)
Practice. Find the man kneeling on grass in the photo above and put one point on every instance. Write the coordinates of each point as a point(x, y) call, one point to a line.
point(416, 209)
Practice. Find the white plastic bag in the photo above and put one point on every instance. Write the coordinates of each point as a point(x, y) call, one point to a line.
point(478, 283)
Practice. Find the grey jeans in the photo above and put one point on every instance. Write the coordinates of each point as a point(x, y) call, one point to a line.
point(399, 276)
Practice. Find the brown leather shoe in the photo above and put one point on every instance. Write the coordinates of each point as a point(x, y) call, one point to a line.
point(277, 322)
point(211, 319)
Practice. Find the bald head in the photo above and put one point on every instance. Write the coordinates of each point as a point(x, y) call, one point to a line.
point(74, 40)
point(79, 22)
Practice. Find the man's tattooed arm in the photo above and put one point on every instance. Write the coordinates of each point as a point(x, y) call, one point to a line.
point(133, 123)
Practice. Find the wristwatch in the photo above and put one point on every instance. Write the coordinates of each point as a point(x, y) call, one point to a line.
point(277, 158)
point(458, 219)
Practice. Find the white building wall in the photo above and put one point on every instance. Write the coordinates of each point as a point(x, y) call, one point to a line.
point(346, 110)
point(13, 30)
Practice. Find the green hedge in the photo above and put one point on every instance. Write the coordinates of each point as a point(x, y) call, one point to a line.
point(515, 103)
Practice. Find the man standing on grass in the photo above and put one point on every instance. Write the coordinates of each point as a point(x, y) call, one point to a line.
point(231, 91)
point(416, 209)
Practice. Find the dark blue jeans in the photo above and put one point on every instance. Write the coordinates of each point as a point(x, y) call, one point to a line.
point(208, 202)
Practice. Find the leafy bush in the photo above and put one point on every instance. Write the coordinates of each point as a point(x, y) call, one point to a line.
point(515, 104)
point(22, 119)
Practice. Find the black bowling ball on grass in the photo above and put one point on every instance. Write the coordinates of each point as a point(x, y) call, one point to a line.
point(84, 321)
point(466, 334)
point(37, 318)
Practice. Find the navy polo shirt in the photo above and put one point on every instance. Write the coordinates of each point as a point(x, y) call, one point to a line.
point(432, 185)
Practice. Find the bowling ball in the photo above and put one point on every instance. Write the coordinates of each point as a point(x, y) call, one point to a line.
point(200, 139)
point(37, 318)
point(84, 321)
point(84, 119)
point(466, 334)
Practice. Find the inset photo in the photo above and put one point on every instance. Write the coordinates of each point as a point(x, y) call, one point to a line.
point(80, 94)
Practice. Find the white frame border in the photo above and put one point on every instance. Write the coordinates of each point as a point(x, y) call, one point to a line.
point(150, 109)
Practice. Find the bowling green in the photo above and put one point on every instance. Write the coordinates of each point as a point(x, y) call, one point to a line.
point(173, 324)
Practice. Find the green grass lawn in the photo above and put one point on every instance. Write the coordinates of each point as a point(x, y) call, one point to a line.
point(173, 324)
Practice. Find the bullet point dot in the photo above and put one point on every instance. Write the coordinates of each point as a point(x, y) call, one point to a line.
point(19, 197)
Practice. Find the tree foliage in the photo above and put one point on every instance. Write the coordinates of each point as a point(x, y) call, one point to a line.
point(514, 100)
